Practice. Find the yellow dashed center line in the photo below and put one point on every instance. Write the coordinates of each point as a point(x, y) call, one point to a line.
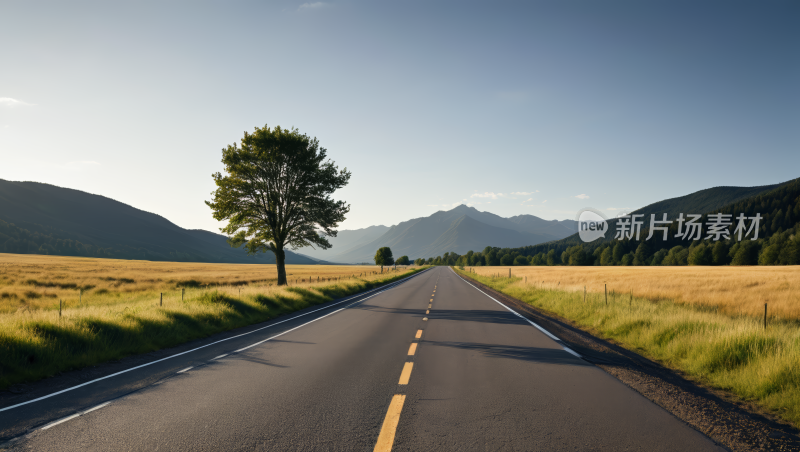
point(428, 311)
point(406, 373)
point(419, 334)
point(386, 438)
point(412, 349)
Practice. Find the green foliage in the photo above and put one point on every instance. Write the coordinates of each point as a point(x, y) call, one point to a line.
point(700, 255)
point(607, 257)
point(276, 193)
point(719, 254)
point(520, 260)
point(642, 255)
point(384, 257)
point(402, 260)
point(677, 256)
point(627, 259)
point(619, 251)
point(744, 253)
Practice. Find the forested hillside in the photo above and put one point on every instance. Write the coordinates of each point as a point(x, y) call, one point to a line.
point(44, 219)
point(777, 244)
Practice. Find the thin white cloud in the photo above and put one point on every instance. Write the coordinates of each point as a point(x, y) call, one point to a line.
point(524, 193)
point(582, 196)
point(487, 194)
point(9, 102)
point(315, 5)
point(544, 201)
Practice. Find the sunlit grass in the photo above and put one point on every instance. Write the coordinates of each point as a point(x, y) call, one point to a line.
point(122, 312)
point(728, 289)
point(725, 350)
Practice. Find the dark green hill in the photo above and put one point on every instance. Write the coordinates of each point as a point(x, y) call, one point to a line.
point(38, 218)
point(699, 202)
point(704, 201)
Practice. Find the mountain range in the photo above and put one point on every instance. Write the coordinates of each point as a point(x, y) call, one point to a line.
point(456, 230)
point(38, 218)
point(700, 202)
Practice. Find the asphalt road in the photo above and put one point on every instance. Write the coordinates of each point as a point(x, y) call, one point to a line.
point(379, 374)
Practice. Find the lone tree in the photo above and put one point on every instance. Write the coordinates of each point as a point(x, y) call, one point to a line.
point(402, 260)
point(384, 257)
point(276, 193)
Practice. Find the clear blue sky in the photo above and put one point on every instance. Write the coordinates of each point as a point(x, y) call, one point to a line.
point(608, 104)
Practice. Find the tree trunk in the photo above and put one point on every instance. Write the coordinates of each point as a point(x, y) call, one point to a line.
point(280, 260)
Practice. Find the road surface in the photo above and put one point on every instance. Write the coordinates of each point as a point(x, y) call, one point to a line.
point(431, 363)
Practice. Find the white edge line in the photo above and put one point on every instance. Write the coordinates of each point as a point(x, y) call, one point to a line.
point(184, 370)
point(220, 357)
point(96, 408)
point(68, 418)
point(387, 287)
point(60, 421)
point(520, 316)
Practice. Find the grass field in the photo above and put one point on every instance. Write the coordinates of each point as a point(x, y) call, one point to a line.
point(707, 323)
point(113, 308)
point(729, 289)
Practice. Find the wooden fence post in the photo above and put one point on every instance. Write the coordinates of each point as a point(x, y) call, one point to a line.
point(606, 290)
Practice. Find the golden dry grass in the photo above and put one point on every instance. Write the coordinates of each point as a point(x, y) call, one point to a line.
point(33, 282)
point(731, 290)
point(121, 313)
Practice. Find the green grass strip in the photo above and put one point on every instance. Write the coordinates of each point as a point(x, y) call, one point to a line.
point(41, 347)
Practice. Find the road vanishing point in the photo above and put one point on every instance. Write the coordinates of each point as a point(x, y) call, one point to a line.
point(428, 363)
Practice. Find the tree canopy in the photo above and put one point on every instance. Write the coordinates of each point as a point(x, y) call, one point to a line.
point(403, 260)
point(384, 257)
point(276, 193)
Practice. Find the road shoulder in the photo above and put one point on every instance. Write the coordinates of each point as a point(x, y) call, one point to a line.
point(735, 424)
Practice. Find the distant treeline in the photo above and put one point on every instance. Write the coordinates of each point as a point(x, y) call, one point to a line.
point(778, 242)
